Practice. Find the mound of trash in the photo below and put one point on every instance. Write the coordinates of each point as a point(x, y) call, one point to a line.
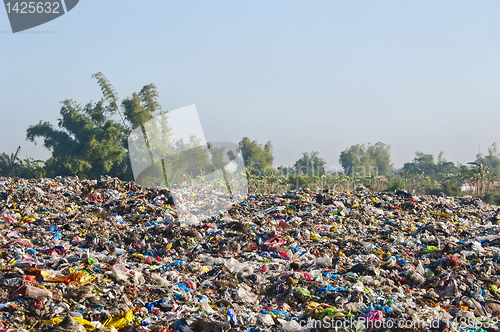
point(107, 255)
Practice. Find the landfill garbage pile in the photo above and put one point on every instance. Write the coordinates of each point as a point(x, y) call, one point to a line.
point(106, 255)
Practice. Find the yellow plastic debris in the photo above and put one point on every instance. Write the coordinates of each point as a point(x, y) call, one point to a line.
point(312, 305)
point(78, 278)
point(86, 324)
point(28, 218)
point(139, 256)
point(121, 321)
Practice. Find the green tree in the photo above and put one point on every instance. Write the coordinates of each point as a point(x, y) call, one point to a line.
point(480, 175)
point(396, 183)
point(138, 109)
point(364, 160)
point(13, 166)
point(87, 141)
point(491, 160)
point(142, 106)
point(9, 165)
point(310, 164)
point(30, 168)
point(422, 163)
point(256, 156)
point(380, 153)
point(444, 167)
point(350, 159)
point(425, 175)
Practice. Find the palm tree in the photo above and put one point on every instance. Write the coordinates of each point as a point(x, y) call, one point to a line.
point(491, 180)
point(480, 172)
point(9, 165)
point(30, 168)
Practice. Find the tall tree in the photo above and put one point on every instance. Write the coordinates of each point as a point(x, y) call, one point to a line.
point(422, 163)
point(364, 160)
point(491, 160)
point(380, 153)
point(87, 141)
point(425, 164)
point(142, 106)
point(256, 156)
point(350, 158)
point(310, 164)
point(9, 165)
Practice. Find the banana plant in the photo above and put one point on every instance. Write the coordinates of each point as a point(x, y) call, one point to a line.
point(9, 165)
point(31, 168)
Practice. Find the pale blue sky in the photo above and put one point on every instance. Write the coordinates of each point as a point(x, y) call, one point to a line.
point(307, 75)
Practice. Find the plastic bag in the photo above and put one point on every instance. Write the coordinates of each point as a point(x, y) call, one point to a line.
point(121, 321)
point(78, 278)
point(324, 261)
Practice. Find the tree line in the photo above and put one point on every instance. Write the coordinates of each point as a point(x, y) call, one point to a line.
point(92, 139)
